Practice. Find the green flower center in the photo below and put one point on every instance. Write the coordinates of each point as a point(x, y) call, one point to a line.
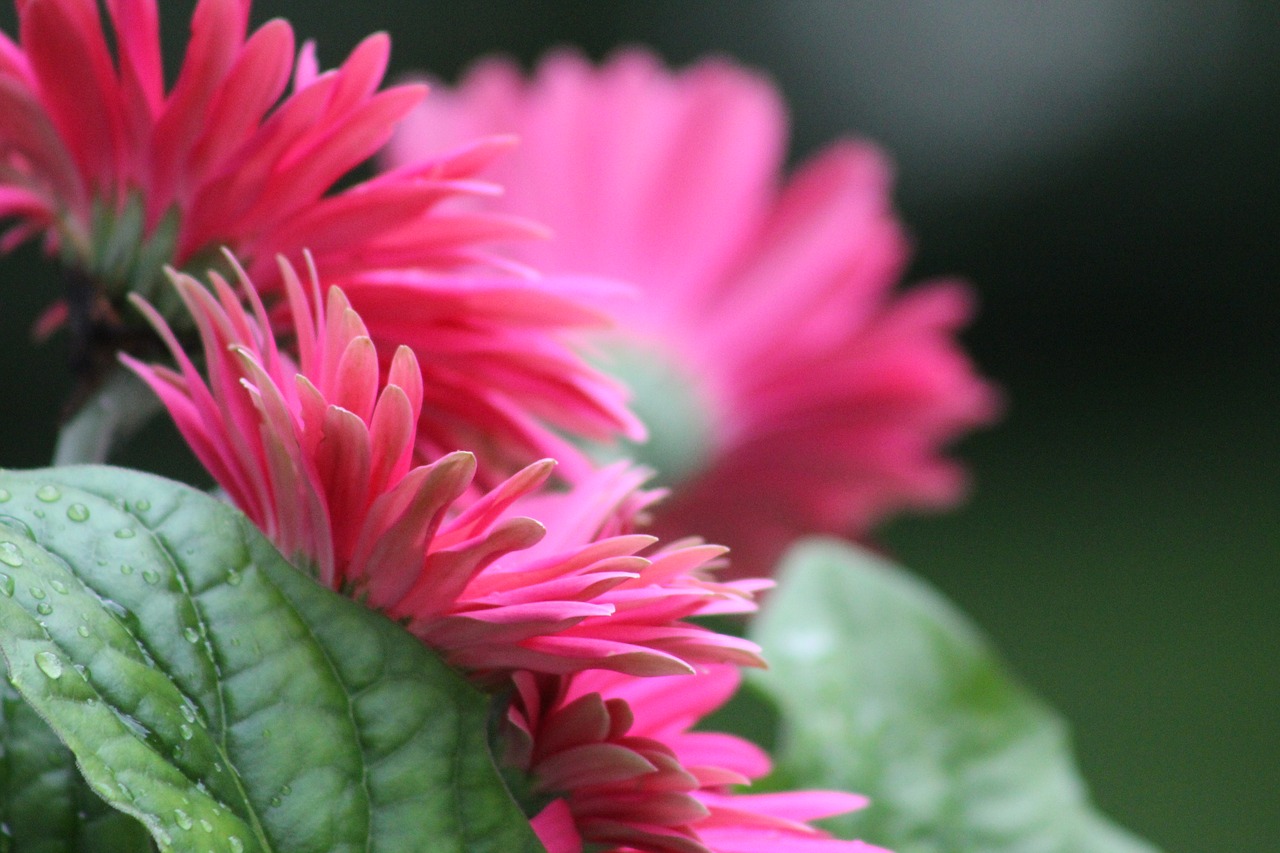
point(670, 400)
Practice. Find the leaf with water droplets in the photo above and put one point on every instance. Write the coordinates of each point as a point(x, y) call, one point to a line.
point(222, 698)
point(45, 804)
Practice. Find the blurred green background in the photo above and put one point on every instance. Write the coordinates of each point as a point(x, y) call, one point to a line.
point(1105, 173)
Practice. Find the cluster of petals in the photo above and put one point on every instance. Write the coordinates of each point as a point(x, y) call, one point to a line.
point(320, 455)
point(827, 395)
point(621, 768)
point(122, 177)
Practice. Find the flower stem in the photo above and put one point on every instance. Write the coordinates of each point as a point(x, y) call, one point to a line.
point(117, 409)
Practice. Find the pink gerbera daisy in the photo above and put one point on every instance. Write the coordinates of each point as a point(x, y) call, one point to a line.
point(320, 455)
point(619, 766)
point(792, 389)
point(122, 176)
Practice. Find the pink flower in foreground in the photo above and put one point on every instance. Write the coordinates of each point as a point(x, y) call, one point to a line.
point(795, 390)
point(123, 177)
point(622, 768)
point(320, 455)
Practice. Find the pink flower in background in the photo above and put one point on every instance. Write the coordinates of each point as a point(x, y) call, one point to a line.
point(320, 455)
point(622, 767)
point(787, 387)
point(122, 177)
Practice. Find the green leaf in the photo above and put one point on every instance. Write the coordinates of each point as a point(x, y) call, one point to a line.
point(887, 690)
point(222, 698)
point(45, 806)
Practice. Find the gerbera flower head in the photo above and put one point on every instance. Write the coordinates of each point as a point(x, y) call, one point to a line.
point(319, 453)
point(617, 764)
point(793, 388)
point(123, 176)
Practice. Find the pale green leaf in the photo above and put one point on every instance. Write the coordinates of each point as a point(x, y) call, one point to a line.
point(886, 689)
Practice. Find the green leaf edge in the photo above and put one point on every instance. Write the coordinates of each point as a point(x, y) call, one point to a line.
point(813, 578)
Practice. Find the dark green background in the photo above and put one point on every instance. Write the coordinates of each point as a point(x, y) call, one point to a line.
point(1105, 172)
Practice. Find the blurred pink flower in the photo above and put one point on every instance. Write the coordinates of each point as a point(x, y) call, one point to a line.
point(623, 769)
point(787, 387)
point(122, 177)
point(319, 454)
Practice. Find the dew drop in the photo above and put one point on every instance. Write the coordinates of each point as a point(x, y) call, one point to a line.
point(5, 495)
point(58, 586)
point(126, 569)
point(234, 577)
point(236, 845)
point(49, 663)
point(142, 504)
point(82, 630)
point(151, 576)
point(37, 593)
point(205, 825)
point(125, 533)
point(186, 731)
point(48, 493)
point(187, 713)
point(11, 555)
point(6, 585)
point(285, 790)
point(275, 801)
point(235, 641)
point(38, 513)
point(192, 635)
point(184, 820)
point(78, 512)
point(44, 608)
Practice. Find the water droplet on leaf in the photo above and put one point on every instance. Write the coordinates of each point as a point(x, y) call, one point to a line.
point(82, 630)
point(151, 576)
point(58, 586)
point(126, 569)
point(125, 533)
point(192, 635)
point(78, 512)
point(49, 663)
point(48, 493)
point(184, 820)
point(37, 593)
point(6, 585)
point(11, 555)
point(44, 608)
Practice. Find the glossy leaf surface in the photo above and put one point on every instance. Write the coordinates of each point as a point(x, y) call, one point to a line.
point(222, 698)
